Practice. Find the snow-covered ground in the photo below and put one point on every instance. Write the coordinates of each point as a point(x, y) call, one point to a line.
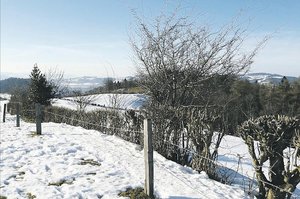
point(122, 101)
point(5, 96)
point(90, 164)
point(30, 164)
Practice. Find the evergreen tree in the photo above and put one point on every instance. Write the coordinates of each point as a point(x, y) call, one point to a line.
point(295, 97)
point(109, 85)
point(40, 91)
point(284, 89)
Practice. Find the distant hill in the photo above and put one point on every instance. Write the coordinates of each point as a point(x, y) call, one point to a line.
point(6, 75)
point(7, 85)
point(85, 83)
point(266, 78)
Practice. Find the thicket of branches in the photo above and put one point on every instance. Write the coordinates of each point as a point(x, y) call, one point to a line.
point(125, 124)
point(278, 146)
point(82, 101)
point(184, 68)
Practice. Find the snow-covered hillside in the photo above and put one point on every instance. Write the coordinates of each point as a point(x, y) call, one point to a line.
point(86, 83)
point(122, 101)
point(266, 78)
point(4, 96)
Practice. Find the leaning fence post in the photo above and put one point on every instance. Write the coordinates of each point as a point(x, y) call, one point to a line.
point(4, 110)
point(38, 119)
point(18, 114)
point(148, 154)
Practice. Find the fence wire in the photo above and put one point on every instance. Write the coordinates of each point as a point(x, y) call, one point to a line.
point(193, 152)
point(221, 165)
point(97, 125)
point(174, 175)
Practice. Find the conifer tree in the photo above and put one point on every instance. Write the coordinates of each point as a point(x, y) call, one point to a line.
point(40, 91)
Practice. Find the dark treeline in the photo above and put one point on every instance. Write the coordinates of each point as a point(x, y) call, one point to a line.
point(11, 84)
point(129, 85)
point(250, 100)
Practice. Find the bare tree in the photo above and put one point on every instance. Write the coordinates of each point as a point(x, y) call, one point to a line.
point(82, 101)
point(115, 101)
point(181, 66)
point(174, 57)
point(56, 79)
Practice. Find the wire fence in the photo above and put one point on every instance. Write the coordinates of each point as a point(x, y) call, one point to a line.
point(102, 106)
point(92, 124)
point(139, 132)
point(182, 181)
point(216, 163)
point(125, 124)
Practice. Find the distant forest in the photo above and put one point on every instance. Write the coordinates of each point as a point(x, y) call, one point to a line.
point(10, 84)
point(250, 100)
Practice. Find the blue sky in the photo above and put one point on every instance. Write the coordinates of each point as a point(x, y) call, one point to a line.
point(91, 37)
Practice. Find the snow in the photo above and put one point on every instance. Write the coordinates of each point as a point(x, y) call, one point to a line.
point(5, 96)
point(34, 164)
point(266, 78)
point(83, 83)
point(29, 164)
point(122, 101)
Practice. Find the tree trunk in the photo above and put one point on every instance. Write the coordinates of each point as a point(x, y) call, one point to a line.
point(276, 176)
point(277, 169)
point(275, 193)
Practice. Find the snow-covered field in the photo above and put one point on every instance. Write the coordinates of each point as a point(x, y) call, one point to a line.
point(122, 101)
point(5, 96)
point(89, 164)
point(30, 164)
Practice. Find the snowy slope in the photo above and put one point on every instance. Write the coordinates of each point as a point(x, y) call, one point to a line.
point(29, 164)
point(266, 78)
point(123, 101)
point(86, 83)
point(5, 96)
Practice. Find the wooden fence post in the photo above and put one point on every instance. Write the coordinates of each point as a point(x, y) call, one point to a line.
point(4, 112)
point(148, 154)
point(8, 107)
point(18, 114)
point(38, 119)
